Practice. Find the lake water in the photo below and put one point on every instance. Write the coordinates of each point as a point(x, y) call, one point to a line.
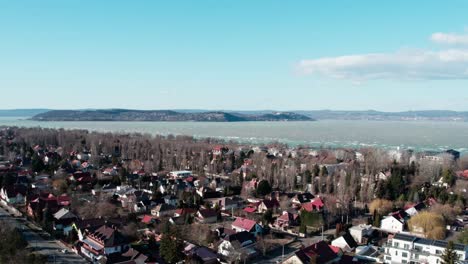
point(327, 133)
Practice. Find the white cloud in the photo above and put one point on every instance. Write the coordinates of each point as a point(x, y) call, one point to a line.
point(404, 64)
point(450, 38)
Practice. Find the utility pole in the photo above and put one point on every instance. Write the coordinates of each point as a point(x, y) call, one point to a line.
point(282, 256)
point(322, 233)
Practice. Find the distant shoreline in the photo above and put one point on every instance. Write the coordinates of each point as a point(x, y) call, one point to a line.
point(194, 115)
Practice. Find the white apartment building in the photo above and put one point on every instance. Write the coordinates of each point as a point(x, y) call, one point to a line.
point(414, 250)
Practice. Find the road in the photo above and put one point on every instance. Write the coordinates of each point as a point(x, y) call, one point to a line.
point(48, 247)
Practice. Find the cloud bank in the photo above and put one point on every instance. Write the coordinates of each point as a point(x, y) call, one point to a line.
point(450, 38)
point(406, 64)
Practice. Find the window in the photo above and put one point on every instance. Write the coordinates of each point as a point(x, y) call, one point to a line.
point(404, 261)
point(388, 258)
point(406, 246)
point(396, 244)
point(438, 252)
point(404, 254)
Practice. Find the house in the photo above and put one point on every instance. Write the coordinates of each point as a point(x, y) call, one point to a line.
point(170, 199)
point(395, 222)
point(369, 253)
point(315, 204)
point(180, 174)
point(208, 193)
point(415, 209)
point(163, 210)
point(301, 198)
point(81, 226)
point(63, 220)
point(243, 224)
point(103, 241)
point(207, 216)
point(268, 204)
point(204, 255)
point(403, 248)
point(14, 194)
point(184, 212)
point(345, 242)
point(361, 233)
point(319, 252)
point(287, 219)
point(238, 246)
point(131, 256)
point(147, 219)
point(223, 203)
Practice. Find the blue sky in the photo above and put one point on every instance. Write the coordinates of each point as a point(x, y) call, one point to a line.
point(284, 55)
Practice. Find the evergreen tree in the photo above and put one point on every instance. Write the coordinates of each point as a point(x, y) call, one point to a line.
point(449, 256)
point(377, 219)
point(171, 246)
point(263, 188)
point(267, 217)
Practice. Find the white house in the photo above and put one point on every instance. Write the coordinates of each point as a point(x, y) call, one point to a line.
point(345, 242)
point(393, 223)
point(13, 194)
point(235, 245)
point(180, 174)
point(410, 249)
point(359, 232)
point(415, 209)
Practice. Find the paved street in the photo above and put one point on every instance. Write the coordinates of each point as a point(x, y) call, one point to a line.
point(51, 248)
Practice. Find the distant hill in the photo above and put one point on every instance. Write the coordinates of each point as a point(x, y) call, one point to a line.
point(163, 115)
point(22, 112)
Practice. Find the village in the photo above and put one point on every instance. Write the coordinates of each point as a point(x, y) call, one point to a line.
point(294, 205)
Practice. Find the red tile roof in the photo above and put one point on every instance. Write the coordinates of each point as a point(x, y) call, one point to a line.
point(243, 223)
point(250, 210)
point(185, 211)
point(147, 219)
point(315, 204)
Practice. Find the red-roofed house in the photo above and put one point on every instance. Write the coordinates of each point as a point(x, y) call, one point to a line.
point(315, 205)
point(319, 252)
point(147, 219)
point(287, 219)
point(463, 174)
point(103, 241)
point(244, 224)
point(250, 209)
point(185, 211)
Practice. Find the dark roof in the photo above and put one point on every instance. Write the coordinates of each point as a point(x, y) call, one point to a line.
point(350, 240)
point(321, 250)
point(420, 206)
point(109, 235)
point(404, 237)
point(241, 237)
point(204, 253)
point(206, 213)
point(305, 197)
point(424, 241)
point(271, 203)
